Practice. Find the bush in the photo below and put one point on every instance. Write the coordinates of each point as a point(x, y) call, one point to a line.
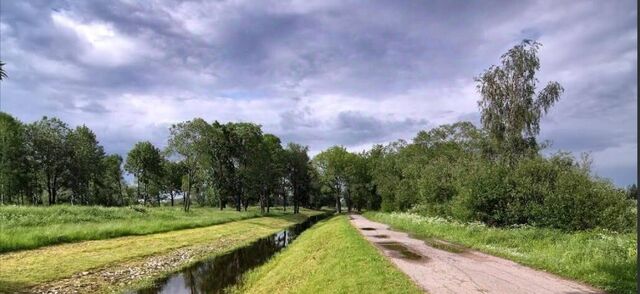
point(489, 195)
point(579, 203)
point(452, 171)
point(551, 192)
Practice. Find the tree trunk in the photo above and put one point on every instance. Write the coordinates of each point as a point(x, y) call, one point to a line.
point(262, 204)
point(146, 192)
point(268, 201)
point(138, 188)
point(238, 201)
point(54, 191)
point(120, 199)
point(187, 197)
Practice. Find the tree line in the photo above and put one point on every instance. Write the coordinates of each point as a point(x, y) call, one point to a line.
point(46, 157)
point(47, 162)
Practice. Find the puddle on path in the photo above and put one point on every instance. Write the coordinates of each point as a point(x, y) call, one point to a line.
point(401, 250)
point(214, 275)
point(381, 236)
point(368, 229)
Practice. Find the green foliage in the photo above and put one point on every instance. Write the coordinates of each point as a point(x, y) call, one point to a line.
point(47, 140)
point(632, 192)
point(112, 179)
point(297, 166)
point(496, 175)
point(172, 178)
point(236, 162)
point(333, 168)
point(599, 257)
point(449, 178)
point(510, 113)
point(144, 161)
point(85, 164)
point(47, 157)
point(14, 164)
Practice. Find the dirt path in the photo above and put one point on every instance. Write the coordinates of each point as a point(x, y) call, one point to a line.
point(460, 271)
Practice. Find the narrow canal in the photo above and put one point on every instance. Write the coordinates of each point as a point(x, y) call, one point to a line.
point(216, 274)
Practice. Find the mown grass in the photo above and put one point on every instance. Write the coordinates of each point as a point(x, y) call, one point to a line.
point(27, 268)
point(604, 259)
point(331, 257)
point(29, 227)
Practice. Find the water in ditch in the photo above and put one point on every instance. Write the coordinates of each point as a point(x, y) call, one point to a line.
point(213, 275)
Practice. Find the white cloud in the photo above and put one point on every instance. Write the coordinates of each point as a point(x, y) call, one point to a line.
point(102, 44)
point(322, 73)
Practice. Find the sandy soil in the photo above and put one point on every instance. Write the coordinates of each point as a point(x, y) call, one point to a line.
point(456, 271)
point(119, 277)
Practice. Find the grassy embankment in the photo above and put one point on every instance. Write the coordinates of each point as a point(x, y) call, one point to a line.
point(28, 268)
point(29, 227)
point(331, 257)
point(604, 259)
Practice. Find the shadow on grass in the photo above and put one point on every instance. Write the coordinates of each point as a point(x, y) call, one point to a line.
point(13, 287)
point(621, 278)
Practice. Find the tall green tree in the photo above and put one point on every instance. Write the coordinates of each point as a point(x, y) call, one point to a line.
point(48, 142)
point(246, 145)
point(510, 107)
point(144, 161)
point(189, 141)
point(361, 188)
point(174, 172)
point(12, 157)
point(298, 174)
point(85, 166)
point(272, 160)
point(332, 168)
point(219, 161)
point(112, 180)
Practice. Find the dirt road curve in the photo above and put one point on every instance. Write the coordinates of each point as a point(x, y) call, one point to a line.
point(456, 271)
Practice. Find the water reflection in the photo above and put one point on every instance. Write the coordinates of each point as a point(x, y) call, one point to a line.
point(212, 276)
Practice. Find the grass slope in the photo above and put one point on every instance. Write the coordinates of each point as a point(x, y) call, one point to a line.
point(29, 227)
point(603, 259)
point(31, 267)
point(331, 257)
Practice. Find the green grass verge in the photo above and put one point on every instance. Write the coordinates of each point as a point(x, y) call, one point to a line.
point(331, 257)
point(604, 259)
point(29, 227)
point(27, 268)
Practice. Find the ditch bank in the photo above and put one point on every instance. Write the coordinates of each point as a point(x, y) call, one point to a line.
point(215, 274)
point(116, 265)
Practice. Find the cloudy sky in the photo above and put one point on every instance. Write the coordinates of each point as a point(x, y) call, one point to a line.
point(318, 72)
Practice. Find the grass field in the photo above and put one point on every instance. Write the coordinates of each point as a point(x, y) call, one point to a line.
point(32, 267)
point(29, 227)
point(603, 259)
point(331, 257)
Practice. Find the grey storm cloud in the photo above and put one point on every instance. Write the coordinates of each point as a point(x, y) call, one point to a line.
point(318, 72)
